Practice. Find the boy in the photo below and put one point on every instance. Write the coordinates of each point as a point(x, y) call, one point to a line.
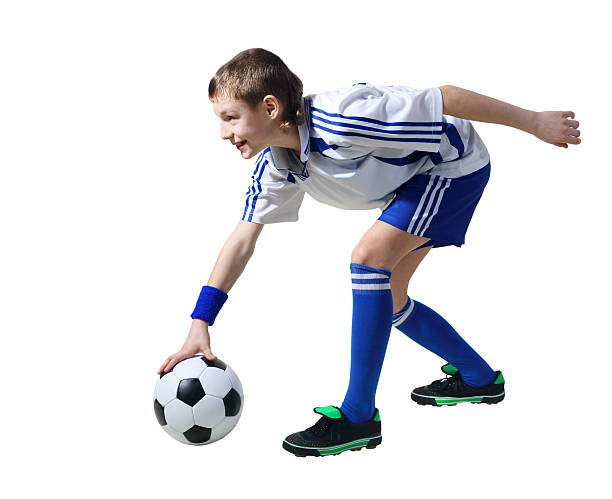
point(411, 153)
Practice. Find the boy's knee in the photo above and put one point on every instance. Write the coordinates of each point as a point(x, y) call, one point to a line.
point(370, 257)
point(359, 255)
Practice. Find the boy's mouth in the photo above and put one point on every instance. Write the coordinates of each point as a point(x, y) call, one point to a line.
point(240, 144)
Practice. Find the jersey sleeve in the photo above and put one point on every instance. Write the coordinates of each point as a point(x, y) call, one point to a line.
point(374, 116)
point(271, 198)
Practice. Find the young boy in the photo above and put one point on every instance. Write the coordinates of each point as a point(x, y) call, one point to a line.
point(411, 153)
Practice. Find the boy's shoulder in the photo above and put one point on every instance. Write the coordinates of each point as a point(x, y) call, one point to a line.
point(361, 89)
point(375, 103)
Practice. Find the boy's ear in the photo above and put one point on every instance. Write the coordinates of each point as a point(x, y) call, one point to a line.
point(272, 106)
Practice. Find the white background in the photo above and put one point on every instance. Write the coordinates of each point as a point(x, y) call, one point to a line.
point(117, 193)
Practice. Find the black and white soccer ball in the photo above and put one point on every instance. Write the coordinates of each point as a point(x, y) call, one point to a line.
point(199, 401)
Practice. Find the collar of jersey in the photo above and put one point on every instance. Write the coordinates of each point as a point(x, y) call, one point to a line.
point(304, 131)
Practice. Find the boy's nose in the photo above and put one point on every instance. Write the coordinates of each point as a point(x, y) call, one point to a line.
point(225, 133)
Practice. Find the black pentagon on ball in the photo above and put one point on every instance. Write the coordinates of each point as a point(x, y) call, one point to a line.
point(197, 434)
point(159, 413)
point(232, 402)
point(190, 391)
point(214, 363)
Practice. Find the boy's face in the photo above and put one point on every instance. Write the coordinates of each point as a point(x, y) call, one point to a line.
point(242, 125)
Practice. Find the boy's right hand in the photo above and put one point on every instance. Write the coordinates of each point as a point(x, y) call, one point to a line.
point(198, 341)
point(556, 127)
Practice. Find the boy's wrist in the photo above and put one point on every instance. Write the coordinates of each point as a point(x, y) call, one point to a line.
point(209, 304)
point(531, 121)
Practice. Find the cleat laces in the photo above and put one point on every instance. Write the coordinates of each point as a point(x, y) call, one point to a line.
point(450, 385)
point(319, 428)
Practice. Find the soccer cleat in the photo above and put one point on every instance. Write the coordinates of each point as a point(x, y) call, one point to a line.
point(453, 390)
point(334, 434)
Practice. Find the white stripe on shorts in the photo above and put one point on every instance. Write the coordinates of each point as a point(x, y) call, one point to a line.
point(421, 201)
point(426, 213)
point(448, 183)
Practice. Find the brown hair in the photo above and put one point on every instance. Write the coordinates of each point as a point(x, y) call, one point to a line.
point(254, 73)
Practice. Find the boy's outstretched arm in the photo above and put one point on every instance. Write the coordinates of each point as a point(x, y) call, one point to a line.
point(231, 262)
point(553, 127)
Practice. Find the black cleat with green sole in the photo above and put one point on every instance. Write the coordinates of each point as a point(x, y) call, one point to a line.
point(334, 434)
point(452, 390)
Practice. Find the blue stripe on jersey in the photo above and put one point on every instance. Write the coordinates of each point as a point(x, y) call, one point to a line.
point(255, 187)
point(254, 200)
point(372, 137)
point(404, 160)
point(308, 114)
point(380, 130)
point(379, 122)
point(249, 193)
point(454, 139)
point(317, 144)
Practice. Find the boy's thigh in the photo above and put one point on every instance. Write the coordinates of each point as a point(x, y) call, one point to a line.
point(384, 246)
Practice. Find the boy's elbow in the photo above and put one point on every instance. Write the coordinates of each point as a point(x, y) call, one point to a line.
point(447, 92)
point(247, 233)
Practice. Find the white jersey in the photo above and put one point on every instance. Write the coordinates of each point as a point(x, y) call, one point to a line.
point(358, 145)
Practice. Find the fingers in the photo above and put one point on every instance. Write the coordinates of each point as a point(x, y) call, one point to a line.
point(209, 355)
point(168, 364)
point(572, 128)
point(173, 360)
point(572, 123)
point(161, 368)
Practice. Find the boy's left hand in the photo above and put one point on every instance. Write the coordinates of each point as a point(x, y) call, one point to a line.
point(556, 127)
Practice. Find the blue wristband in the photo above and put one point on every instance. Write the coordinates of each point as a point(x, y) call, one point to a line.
point(209, 303)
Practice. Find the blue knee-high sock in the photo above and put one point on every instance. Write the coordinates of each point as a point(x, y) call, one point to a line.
point(430, 330)
point(372, 314)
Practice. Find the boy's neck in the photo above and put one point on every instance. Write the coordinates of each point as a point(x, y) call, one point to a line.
point(289, 140)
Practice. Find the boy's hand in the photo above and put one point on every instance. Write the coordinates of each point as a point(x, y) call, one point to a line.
point(556, 128)
point(198, 341)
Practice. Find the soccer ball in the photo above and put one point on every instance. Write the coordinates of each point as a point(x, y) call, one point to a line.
point(199, 401)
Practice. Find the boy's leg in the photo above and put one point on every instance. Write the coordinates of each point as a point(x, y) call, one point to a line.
point(356, 424)
point(379, 251)
point(402, 273)
point(430, 330)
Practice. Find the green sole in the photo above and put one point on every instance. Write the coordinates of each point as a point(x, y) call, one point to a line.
point(440, 401)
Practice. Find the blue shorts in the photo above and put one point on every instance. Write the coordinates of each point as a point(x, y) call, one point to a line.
point(437, 207)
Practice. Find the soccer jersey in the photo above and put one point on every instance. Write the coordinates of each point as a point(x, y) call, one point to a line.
point(358, 144)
